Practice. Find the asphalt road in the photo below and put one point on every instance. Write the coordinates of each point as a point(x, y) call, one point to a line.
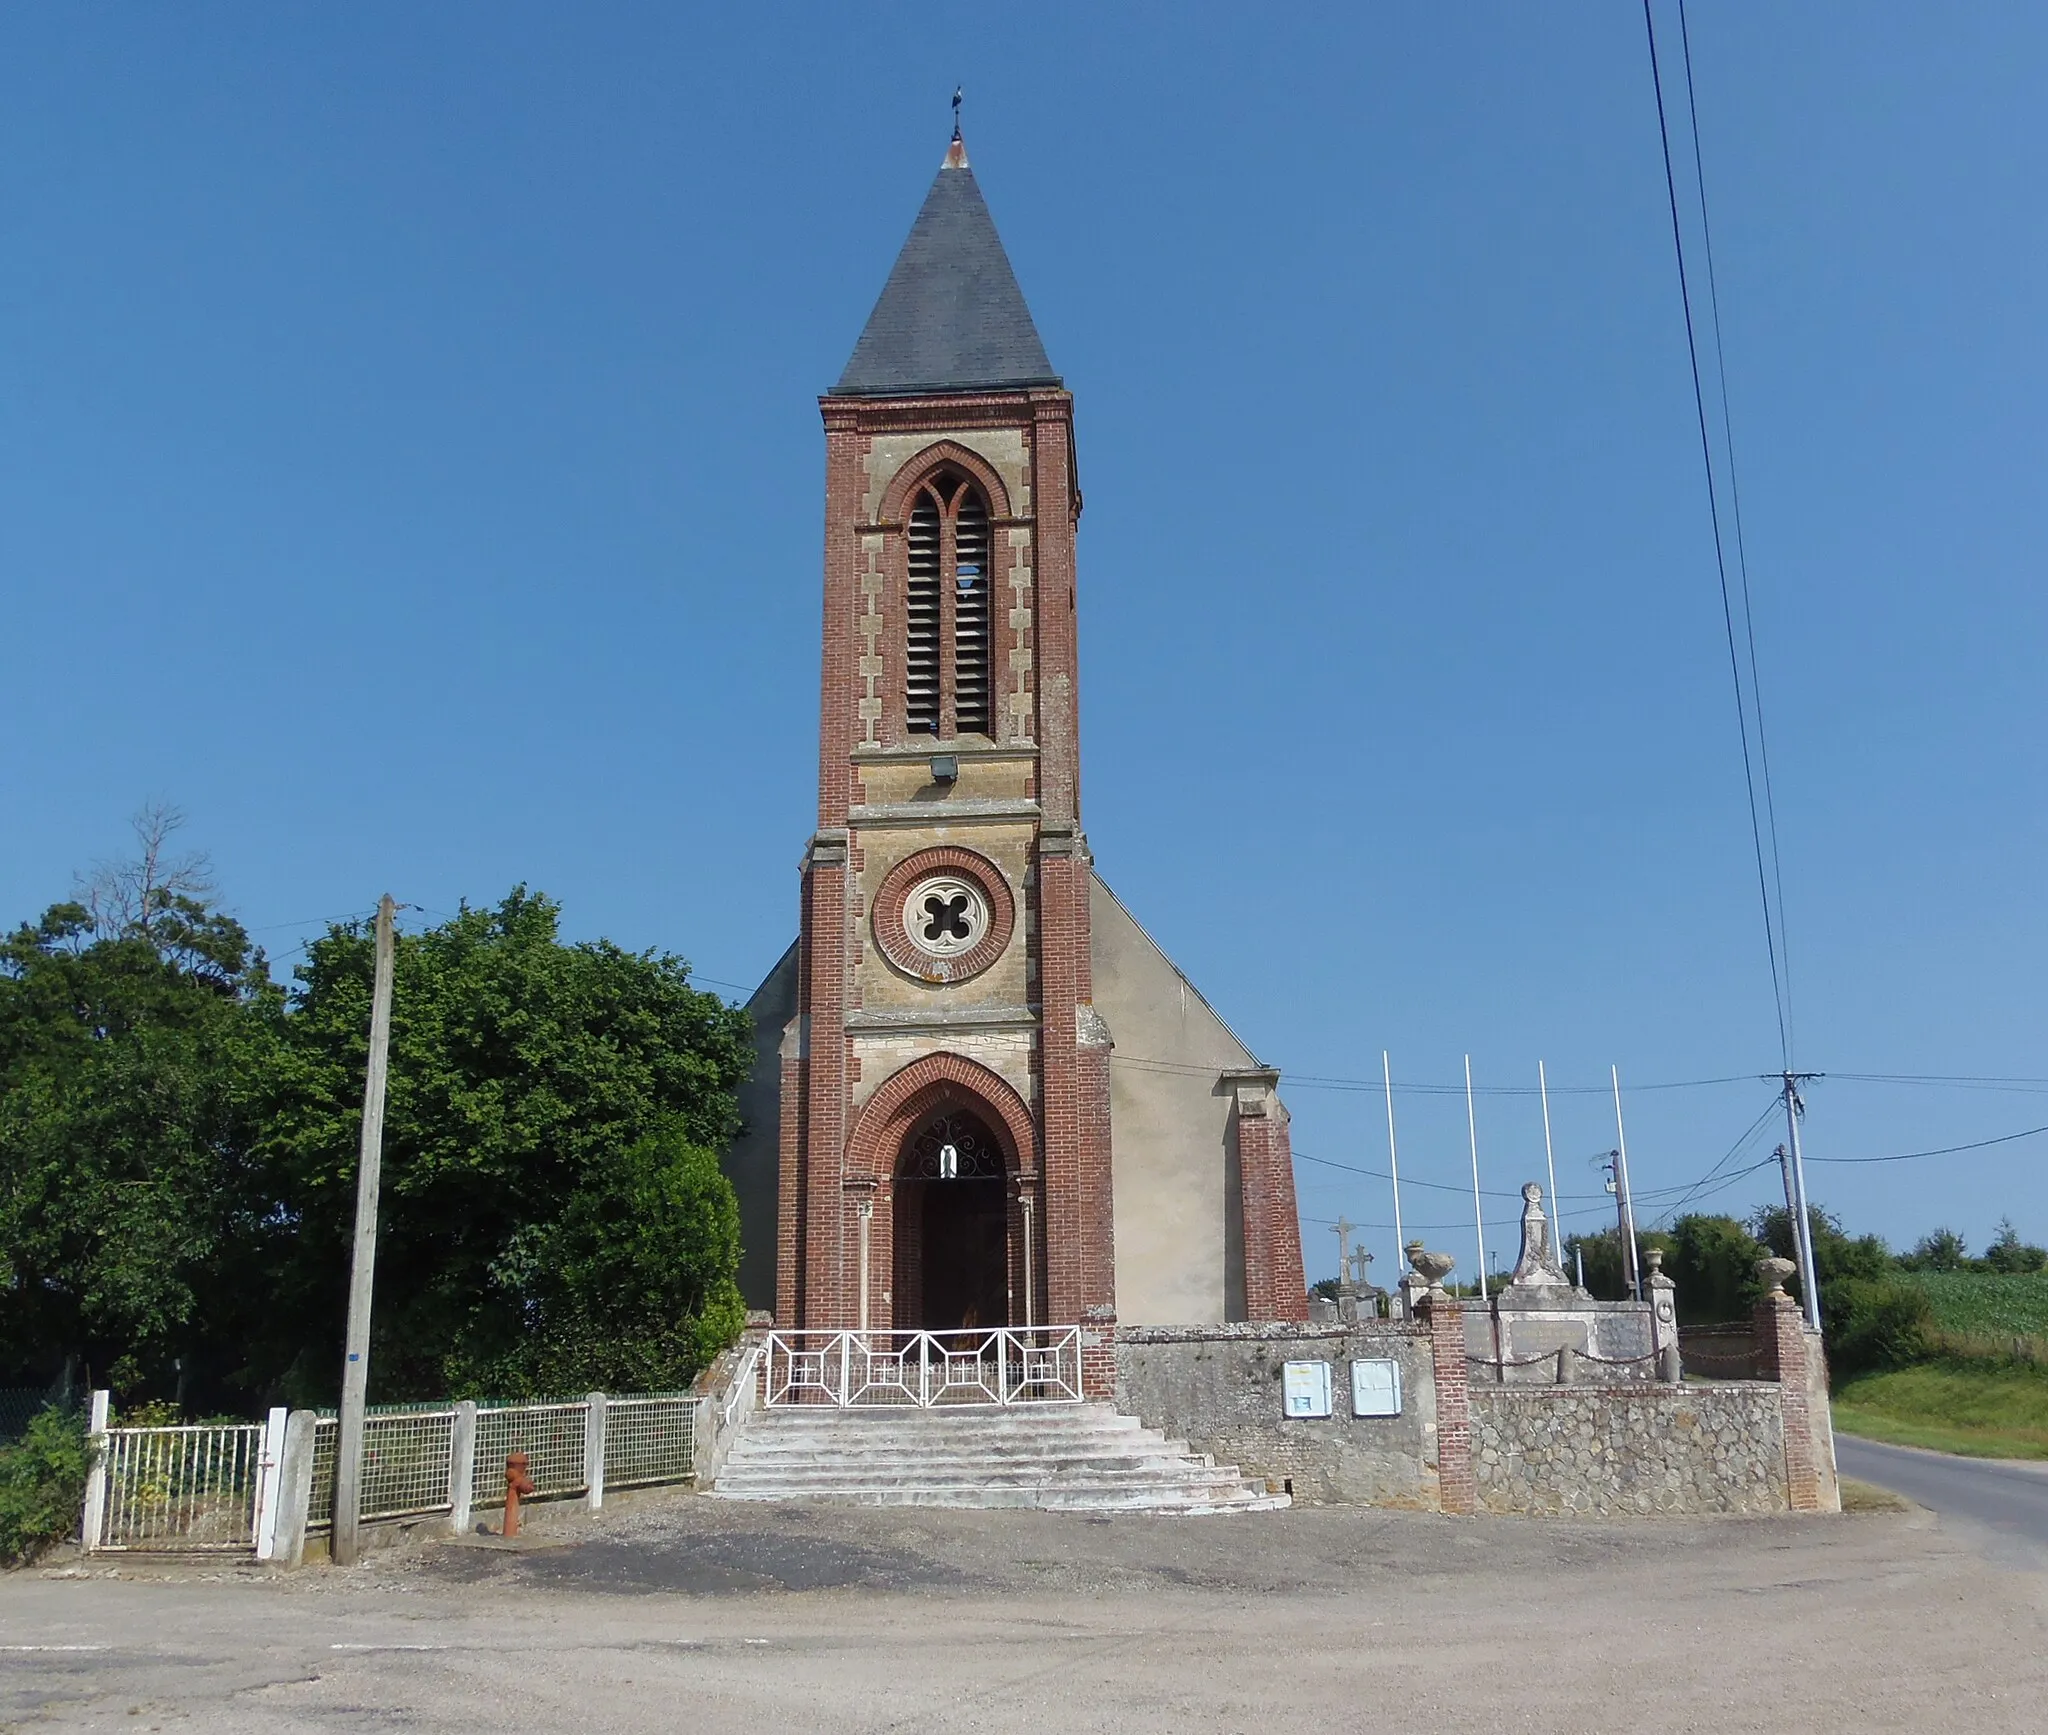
point(721, 1619)
point(2000, 1506)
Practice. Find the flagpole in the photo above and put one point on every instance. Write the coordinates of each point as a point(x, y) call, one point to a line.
point(1478, 1215)
point(1550, 1163)
point(1394, 1165)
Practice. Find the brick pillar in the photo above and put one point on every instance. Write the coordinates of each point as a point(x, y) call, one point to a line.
point(1080, 1247)
point(822, 1298)
point(1457, 1487)
point(789, 1178)
point(1781, 1356)
point(1275, 1286)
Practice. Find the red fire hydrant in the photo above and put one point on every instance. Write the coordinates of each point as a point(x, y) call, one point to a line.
point(518, 1485)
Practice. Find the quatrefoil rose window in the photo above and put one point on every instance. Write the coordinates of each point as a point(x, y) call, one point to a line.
point(943, 915)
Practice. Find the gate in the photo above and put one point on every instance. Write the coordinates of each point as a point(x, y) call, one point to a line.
point(210, 1488)
point(924, 1369)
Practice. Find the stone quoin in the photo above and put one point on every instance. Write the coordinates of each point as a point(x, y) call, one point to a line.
point(978, 1082)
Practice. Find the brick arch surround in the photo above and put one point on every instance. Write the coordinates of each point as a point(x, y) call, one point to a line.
point(925, 1087)
point(917, 470)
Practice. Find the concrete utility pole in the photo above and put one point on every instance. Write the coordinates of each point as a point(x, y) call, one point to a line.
point(1802, 1218)
point(1627, 1198)
point(355, 1367)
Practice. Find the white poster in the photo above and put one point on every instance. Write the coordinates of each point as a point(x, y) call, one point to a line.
point(1375, 1388)
point(1305, 1389)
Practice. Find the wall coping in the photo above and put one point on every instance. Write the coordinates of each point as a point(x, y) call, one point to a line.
point(1276, 1331)
point(1659, 1389)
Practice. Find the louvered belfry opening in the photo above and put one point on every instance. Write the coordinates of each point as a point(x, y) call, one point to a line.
point(921, 619)
point(970, 615)
point(948, 602)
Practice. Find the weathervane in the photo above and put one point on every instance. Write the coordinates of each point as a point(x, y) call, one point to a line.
point(958, 92)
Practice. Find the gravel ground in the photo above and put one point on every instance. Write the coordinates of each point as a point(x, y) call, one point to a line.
point(680, 1612)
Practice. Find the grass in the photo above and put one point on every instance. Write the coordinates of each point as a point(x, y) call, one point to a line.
point(1866, 1497)
point(1979, 1409)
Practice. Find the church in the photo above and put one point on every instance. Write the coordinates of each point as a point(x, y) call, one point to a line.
point(982, 1095)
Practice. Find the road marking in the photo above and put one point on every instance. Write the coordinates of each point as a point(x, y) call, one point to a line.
point(56, 1647)
point(381, 1647)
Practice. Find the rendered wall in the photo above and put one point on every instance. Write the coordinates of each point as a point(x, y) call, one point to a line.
point(753, 1162)
point(1219, 1389)
point(1179, 1232)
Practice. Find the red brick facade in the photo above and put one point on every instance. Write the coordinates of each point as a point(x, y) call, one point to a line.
point(887, 1037)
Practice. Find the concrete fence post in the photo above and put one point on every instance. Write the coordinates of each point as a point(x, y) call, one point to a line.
point(294, 1488)
point(270, 1482)
point(462, 1467)
point(92, 1527)
point(593, 1450)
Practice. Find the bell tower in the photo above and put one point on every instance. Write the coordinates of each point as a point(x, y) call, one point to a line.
point(944, 1115)
point(938, 1136)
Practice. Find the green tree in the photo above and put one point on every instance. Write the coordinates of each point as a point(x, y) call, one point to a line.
point(548, 1103)
point(1713, 1262)
point(1943, 1250)
point(1870, 1317)
point(633, 1287)
point(2008, 1253)
point(1607, 1265)
point(126, 1022)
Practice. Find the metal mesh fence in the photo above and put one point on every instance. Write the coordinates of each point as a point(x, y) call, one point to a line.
point(408, 1452)
point(326, 1441)
point(648, 1438)
point(551, 1436)
point(18, 1407)
point(182, 1488)
point(406, 1458)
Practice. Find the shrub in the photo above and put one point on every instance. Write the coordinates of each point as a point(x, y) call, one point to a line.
point(42, 1485)
point(1875, 1323)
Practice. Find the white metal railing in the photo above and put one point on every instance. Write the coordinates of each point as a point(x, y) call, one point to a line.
point(925, 1369)
point(210, 1487)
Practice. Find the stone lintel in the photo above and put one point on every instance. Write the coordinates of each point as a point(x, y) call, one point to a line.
point(949, 811)
point(938, 1022)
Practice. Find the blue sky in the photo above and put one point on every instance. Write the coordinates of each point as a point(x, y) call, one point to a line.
point(409, 464)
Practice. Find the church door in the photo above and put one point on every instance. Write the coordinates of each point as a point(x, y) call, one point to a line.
point(952, 1226)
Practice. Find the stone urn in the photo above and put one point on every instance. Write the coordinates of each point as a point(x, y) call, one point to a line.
point(1432, 1268)
point(1774, 1271)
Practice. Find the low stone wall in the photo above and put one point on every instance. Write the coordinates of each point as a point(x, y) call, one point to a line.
point(1219, 1388)
point(1629, 1450)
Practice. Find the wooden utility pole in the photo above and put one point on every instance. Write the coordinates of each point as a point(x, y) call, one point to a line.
point(355, 1367)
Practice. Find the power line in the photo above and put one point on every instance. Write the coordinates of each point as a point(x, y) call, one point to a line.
point(1940, 1151)
point(1756, 689)
point(1778, 994)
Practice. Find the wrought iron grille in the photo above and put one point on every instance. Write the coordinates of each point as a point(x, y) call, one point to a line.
point(952, 1147)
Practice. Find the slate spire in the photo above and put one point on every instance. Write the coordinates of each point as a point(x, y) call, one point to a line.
point(951, 317)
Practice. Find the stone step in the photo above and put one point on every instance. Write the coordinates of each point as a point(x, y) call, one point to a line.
point(1066, 1457)
point(1167, 1501)
point(1024, 1475)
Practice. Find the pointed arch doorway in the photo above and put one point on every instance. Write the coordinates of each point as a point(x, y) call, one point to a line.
point(952, 1225)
